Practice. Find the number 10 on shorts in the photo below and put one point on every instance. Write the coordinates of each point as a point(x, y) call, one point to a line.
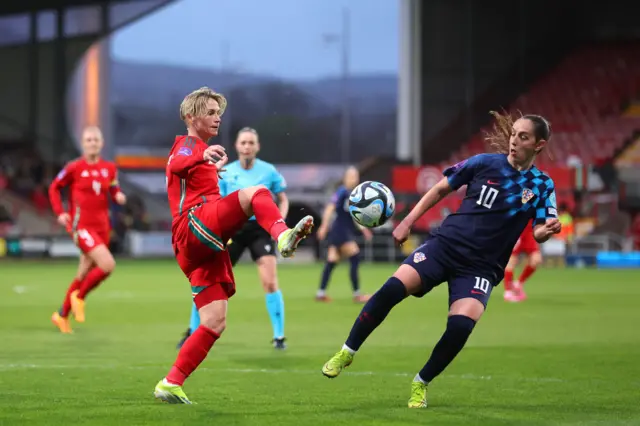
point(482, 284)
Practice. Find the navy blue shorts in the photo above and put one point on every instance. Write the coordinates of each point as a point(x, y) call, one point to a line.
point(435, 267)
point(339, 237)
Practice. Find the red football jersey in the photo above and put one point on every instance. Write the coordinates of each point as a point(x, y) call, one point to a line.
point(528, 232)
point(90, 184)
point(190, 180)
point(526, 243)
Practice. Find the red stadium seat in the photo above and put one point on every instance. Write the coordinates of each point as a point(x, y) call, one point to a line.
point(583, 98)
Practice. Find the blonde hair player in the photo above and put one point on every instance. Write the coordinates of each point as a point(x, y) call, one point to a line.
point(203, 222)
point(245, 172)
point(471, 248)
point(92, 182)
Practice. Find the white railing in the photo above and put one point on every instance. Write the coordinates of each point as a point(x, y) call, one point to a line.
point(381, 248)
point(593, 244)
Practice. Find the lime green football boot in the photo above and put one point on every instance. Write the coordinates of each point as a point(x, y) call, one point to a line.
point(172, 394)
point(288, 241)
point(337, 363)
point(418, 395)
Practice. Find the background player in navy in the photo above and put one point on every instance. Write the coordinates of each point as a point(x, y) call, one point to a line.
point(245, 172)
point(472, 246)
point(341, 234)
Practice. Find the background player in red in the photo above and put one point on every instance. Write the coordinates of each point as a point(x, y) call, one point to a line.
point(91, 181)
point(527, 245)
point(203, 222)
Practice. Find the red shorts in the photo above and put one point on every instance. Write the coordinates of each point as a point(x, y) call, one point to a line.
point(200, 238)
point(89, 238)
point(526, 244)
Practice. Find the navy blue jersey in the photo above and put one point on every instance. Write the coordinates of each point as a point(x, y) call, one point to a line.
point(343, 221)
point(498, 204)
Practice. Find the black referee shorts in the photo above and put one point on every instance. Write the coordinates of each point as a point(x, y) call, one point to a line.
point(254, 238)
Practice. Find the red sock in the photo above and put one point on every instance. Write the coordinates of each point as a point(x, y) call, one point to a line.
point(66, 305)
point(267, 213)
point(192, 353)
point(93, 280)
point(526, 273)
point(508, 280)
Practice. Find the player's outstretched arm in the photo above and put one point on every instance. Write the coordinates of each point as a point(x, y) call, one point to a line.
point(62, 180)
point(542, 232)
point(114, 190)
point(546, 222)
point(428, 200)
point(54, 197)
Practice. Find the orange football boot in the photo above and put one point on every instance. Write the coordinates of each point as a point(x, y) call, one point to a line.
point(77, 306)
point(62, 323)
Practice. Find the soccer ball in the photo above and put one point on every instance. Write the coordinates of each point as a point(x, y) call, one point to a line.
point(371, 204)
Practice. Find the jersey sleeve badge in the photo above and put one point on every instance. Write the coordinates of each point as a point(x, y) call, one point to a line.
point(186, 151)
point(419, 257)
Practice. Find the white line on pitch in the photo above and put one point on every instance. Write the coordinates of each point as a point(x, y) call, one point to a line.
point(269, 371)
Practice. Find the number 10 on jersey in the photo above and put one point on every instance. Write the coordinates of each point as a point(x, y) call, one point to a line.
point(487, 196)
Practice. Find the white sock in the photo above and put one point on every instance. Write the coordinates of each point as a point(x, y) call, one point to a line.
point(420, 379)
point(321, 293)
point(348, 349)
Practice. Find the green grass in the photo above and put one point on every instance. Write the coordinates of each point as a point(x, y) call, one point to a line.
point(570, 355)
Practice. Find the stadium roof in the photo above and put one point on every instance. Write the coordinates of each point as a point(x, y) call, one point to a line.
point(11, 7)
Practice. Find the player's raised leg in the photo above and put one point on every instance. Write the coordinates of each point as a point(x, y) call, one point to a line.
point(61, 318)
point(104, 263)
point(404, 281)
point(211, 301)
point(464, 313)
point(258, 201)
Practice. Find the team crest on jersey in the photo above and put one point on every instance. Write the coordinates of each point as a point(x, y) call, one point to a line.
point(84, 173)
point(105, 173)
point(527, 195)
point(419, 257)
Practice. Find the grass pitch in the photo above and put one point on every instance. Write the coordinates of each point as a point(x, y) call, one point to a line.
point(568, 356)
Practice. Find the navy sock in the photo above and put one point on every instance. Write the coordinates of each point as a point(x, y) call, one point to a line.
point(353, 272)
point(375, 311)
point(459, 328)
point(326, 274)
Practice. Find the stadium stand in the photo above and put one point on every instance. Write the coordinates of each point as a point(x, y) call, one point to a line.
point(584, 98)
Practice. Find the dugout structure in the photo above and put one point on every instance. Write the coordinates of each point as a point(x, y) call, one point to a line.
point(41, 44)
